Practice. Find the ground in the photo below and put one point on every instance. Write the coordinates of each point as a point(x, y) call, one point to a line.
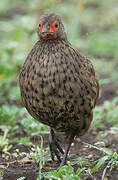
point(14, 168)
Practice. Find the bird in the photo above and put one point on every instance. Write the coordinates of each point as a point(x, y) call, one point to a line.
point(58, 86)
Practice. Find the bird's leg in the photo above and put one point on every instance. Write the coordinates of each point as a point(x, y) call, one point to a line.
point(63, 162)
point(54, 145)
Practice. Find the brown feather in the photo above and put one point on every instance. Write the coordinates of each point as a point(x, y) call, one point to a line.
point(58, 85)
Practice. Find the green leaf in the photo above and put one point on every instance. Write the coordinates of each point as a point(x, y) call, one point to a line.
point(66, 169)
point(80, 162)
point(53, 174)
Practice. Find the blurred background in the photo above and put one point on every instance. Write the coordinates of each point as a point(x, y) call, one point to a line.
point(91, 26)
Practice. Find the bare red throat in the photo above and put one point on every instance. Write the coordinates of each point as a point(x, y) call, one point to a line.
point(49, 36)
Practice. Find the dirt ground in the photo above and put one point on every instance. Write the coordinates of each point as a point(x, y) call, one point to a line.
point(14, 168)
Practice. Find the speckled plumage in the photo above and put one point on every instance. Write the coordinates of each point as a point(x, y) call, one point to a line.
point(58, 86)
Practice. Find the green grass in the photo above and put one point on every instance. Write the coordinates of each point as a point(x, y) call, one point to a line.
point(110, 160)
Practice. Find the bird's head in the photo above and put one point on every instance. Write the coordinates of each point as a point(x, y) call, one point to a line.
point(50, 27)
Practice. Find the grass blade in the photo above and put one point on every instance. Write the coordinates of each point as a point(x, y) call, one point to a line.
point(41, 159)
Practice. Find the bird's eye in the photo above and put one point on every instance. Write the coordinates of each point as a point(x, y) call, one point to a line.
point(39, 25)
point(56, 25)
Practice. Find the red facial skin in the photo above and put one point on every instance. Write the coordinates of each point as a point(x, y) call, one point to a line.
point(50, 29)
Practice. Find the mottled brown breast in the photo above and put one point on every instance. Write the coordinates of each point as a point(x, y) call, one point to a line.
point(58, 86)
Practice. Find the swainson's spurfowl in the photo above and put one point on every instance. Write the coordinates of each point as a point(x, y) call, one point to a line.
point(58, 85)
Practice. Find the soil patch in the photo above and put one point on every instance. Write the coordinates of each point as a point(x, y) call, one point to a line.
point(108, 92)
point(14, 168)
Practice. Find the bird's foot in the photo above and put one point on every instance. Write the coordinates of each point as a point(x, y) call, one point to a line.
point(54, 145)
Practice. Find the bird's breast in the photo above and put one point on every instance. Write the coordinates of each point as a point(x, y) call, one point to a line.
point(53, 87)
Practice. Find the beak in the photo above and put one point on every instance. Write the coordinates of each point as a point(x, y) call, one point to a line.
point(45, 28)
